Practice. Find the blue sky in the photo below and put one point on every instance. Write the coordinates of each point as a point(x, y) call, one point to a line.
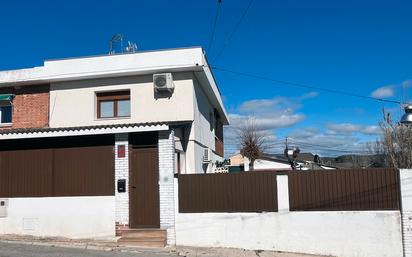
point(362, 47)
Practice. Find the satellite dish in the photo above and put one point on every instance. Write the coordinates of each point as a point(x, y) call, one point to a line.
point(407, 117)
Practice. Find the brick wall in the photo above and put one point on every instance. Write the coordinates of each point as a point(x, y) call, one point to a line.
point(166, 184)
point(122, 172)
point(30, 106)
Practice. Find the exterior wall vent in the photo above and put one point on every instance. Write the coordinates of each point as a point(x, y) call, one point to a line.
point(206, 155)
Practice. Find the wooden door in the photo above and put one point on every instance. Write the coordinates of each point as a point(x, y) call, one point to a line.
point(144, 188)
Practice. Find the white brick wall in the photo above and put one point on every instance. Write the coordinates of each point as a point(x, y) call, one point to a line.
point(406, 189)
point(407, 233)
point(166, 185)
point(122, 172)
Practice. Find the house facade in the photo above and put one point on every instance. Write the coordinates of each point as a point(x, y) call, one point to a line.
point(89, 146)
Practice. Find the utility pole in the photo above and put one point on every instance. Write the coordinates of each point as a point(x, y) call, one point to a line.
point(286, 153)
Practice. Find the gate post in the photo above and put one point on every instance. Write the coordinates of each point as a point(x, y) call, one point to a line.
point(166, 184)
point(121, 172)
point(283, 193)
point(406, 200)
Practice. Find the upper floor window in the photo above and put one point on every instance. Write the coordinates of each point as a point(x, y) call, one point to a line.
point(6, 109)
point(113, 104)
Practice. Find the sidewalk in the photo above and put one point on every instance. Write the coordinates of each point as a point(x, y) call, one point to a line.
point(111, 246)
point(231, 252)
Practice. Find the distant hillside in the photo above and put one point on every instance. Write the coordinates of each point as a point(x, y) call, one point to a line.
point(354, 161)
point(342, 162)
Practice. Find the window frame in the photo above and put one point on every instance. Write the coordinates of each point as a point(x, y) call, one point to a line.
point(115, 97)
point(6, 103)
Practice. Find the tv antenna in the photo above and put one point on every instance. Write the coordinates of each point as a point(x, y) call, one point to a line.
point(130, 48)
point(118, 38)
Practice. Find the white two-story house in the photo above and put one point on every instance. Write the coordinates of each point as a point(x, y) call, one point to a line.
point(89, 146)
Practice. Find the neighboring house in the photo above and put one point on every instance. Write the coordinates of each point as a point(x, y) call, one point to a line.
point(305, 161)
point(268, 163)
point(237, 160)
point(90, 143)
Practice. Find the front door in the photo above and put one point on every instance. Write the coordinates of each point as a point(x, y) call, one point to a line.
point(144, 188)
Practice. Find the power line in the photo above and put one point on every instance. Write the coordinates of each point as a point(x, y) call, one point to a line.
point(332, 91)
point(297, 141)
point(324, 147)
point(212, 36)
point(233, 31)
point(327, 149)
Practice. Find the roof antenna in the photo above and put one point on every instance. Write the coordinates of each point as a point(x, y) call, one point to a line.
point(113, 41)
point(130, 48)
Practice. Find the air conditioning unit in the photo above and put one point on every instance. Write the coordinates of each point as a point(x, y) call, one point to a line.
point(206, 155)
point(3, 208)
point(163, 82)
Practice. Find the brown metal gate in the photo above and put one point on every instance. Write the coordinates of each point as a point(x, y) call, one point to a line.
point(228, 192)
point(49, 167)
point(144, 188)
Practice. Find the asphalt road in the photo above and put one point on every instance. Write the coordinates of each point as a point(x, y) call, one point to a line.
point(22, 250)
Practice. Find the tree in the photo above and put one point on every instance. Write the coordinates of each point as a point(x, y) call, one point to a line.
point(252, 141)
point(395, 146)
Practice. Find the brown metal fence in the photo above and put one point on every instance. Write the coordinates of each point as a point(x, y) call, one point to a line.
point(241, 192)
point(344, 190)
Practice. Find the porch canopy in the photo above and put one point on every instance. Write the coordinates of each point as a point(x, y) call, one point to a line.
point(6, 97)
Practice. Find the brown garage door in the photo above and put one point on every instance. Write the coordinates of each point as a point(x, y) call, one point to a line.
point(71, 166)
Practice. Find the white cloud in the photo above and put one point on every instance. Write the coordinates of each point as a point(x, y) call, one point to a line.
point(350, 128)
point(324, 143)
point(309, 95)
point(268, 121)
point(278, 104)
point(345, 128)
point(272, 113)
point(346, 138)
point(407, 83)
point(384, 92)
point(371, 130)
point(268, 115)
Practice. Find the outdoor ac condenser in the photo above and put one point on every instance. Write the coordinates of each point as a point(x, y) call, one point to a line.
point(3, 208)
point(163, 82)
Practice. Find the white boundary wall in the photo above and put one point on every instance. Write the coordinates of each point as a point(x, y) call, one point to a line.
point(344, 234)
point(72, 217)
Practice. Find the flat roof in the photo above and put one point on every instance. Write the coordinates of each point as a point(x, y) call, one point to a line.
point(183, 59)
point(115, 54)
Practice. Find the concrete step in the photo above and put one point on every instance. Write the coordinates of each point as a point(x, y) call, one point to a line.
point(143, 238)
point(143, 233)
point(144, 244)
